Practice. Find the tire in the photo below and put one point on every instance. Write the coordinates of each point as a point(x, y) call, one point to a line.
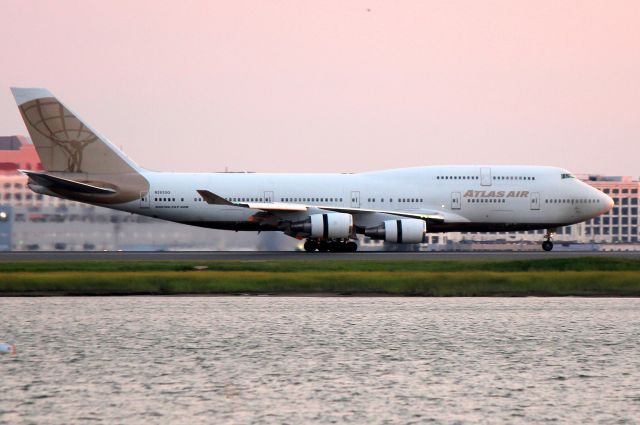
point(547, 245)
point(351, 246)
point(310, 246)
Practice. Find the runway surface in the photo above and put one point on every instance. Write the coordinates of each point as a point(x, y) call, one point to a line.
point(300, 256)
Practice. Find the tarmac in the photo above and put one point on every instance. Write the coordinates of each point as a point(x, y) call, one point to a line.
point(301, 256)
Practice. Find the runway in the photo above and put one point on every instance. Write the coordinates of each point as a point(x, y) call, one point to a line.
point(301, 256)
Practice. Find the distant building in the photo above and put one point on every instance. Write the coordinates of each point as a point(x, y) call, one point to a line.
point(6, 218)
point(620, 225)
point(17, 153)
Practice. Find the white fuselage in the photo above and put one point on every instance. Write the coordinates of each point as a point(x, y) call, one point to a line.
point(473, 198)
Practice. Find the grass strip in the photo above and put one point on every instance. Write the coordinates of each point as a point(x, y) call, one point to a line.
point(555, 264)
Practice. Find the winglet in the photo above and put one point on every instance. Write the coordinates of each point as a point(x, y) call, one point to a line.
point(212, 198)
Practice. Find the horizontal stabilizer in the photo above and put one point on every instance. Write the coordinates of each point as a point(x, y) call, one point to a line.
point(50, 181)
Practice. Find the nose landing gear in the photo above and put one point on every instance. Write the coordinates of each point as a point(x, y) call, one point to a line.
point(547, 244)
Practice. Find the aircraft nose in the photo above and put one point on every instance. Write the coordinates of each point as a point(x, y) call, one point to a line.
point(607, 201)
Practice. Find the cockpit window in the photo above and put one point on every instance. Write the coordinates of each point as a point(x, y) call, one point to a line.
point(568, 176)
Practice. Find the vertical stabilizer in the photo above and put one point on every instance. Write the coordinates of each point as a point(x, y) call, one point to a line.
point(63, 141)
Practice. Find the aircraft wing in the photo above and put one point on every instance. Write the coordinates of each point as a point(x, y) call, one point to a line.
point(428, 216)
point(280, 207)
point(212, 198)
point(50, 181)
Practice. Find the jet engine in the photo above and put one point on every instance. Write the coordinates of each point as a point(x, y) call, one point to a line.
point(326, 226)
point(407, 230)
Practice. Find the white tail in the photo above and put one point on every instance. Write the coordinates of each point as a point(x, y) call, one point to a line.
point(63, 141)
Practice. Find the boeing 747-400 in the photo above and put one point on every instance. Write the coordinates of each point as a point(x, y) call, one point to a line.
point(328, 210)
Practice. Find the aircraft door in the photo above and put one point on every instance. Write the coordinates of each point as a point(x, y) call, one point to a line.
point(455, 200)
point(485, 176)
point(145, 200)
point(268, 196)
point(355, 199)
point(534, 200)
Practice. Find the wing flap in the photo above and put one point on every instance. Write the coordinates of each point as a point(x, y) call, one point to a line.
point(277, 206)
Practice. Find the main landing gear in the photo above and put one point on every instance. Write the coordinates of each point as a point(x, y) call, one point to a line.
point(330, 246)
point(547, 245)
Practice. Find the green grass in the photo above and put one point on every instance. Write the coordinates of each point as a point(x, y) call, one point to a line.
point(549, 277)
point(556, 264)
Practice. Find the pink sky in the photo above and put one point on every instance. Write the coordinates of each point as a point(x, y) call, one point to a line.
point(332, 86)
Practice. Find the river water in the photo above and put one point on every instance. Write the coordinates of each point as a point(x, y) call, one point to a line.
point(320, 360)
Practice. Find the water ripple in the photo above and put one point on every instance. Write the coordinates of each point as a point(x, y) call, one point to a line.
point(340, 360)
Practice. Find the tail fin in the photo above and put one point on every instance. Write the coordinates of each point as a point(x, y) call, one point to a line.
point(63, 141)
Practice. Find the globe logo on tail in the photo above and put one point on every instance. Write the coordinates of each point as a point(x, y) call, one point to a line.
point(53, 121)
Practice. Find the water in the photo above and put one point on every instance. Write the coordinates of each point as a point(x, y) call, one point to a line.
point(299, 360)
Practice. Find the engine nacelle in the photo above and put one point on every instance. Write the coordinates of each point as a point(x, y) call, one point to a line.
point(406, 230)
point(326, 226)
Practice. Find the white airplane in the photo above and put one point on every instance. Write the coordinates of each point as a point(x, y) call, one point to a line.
point(328, 210)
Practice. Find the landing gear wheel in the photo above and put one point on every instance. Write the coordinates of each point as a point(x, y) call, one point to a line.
point(334, 246)
point(323, 247)
point(310, 246)
point(547, 245)
point(351, 247)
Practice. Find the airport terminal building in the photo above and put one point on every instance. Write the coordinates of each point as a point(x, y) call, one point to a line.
point(30, 221)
